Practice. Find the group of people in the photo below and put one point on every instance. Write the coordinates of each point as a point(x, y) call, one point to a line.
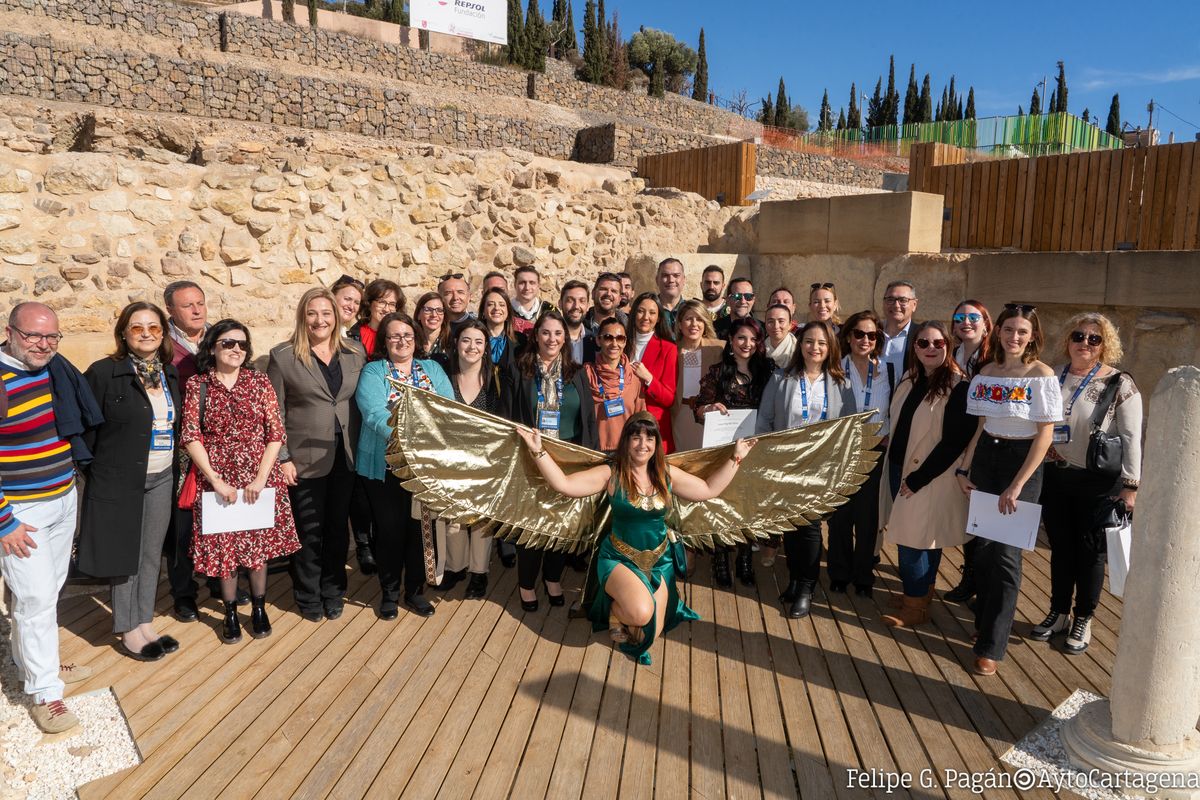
point(178, 420)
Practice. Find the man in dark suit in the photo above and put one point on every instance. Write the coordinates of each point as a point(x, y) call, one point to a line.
point(740, 300)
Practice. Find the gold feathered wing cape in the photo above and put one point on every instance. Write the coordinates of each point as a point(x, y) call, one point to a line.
point(471, 467)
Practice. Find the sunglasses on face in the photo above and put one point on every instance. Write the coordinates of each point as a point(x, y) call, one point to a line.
point(960, 317)
point(230, 344)
point(1093, 339)
point(612, 337)
point(738, 297)
point(1023, 308)
point(451, 276)
point(870, 336)
point(936, 344)
point(138, 329)
point(816, 286)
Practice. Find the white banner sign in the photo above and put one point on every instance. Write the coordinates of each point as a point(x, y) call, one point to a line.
point(474, 19)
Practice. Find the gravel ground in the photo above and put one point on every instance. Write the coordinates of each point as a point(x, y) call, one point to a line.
point(38, 767)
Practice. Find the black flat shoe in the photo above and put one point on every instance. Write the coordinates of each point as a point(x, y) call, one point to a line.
point(418, 605)
point(169, 643)
point(745, 568)
point(366, 560)
point(720, 567)
point(186, 610)
point(313, 615)
point(389, 610)
point(151, 652)
point(449, 580)
point(231, 628)
point(333, 612)
point(529, 605)
point(260, 625)
point(800, 606)
point(554, 599)
point(477, 586)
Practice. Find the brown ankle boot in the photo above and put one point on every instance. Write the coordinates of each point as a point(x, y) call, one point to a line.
point(915, 611)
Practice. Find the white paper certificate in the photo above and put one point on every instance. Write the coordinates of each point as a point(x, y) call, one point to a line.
point(691, 374)
point(722, 429)
point(217, 516)
point(1019, 528)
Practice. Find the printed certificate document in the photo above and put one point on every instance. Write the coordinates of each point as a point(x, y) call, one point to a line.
point(722, 429)
point(217, 516)
point(1019, 528)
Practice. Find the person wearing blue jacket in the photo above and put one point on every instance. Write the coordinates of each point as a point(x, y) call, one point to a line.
point(399, 549)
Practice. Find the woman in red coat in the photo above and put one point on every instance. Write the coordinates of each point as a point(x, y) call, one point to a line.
point(652, 355)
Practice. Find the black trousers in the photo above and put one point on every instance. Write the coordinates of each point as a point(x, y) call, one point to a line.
point(1071, 499)
point(533, 560)
point(803, 550)
point(998, 566)
point(853, 531)
point(360, 514)
point(320, 506)
point(178, 549)
point(398, 547)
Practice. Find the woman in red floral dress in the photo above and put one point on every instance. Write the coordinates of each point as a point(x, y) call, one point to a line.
point(236, 448)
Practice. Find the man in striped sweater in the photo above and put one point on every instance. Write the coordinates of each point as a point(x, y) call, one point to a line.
point(37, 508)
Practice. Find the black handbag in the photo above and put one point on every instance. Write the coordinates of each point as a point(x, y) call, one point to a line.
point(1104, 450)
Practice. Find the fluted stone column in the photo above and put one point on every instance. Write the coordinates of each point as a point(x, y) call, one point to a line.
point(1150, 724)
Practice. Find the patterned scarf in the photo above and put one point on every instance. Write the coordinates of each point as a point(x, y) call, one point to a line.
point(549, 399)
point(149, 371)
point(416, 377)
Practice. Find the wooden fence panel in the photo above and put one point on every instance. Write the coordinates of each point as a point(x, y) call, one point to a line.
point(724, 169)
point(1191, 226)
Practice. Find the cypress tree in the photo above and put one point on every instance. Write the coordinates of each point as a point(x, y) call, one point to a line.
point(1087, 115)
point(570, 42)
point(841, 123)
point(854, 118)
point(1035, 102)
point(958, 109)
point(700, 81)
point(1020, 111)
point(1062, 89)
point(942, 106)
point(516, 33)
point(396, 12)
point(1113, 126)
point(875, 110)
point(595, 51)
point(1053, 105)
point(912, 97)
point(783, 106)
point(767, 115)
point(891, 106)
point(826, 116)
point(534, 38)
point(953, 104)
point(970, 104)
point(937, 115)
point(926, 111)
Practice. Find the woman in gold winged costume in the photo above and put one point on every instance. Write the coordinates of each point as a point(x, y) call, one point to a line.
point(639, 511)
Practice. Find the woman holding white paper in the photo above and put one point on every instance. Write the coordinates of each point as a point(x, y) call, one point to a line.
point(736, 382)
point(1018, 401)
point(699, 349)
point(812, 389)
point(1074, 497)
point(233, 433)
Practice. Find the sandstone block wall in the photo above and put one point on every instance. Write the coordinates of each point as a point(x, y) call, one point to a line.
point(777, 162)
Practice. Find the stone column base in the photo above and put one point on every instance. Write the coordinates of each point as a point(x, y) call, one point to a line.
point(1089, 743)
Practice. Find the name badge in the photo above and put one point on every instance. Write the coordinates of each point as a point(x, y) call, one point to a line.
point(162, 439)
point(614, 407)
point(1062, 434)
point(548, 420)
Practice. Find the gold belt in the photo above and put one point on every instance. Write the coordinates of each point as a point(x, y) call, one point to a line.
point(644, 559)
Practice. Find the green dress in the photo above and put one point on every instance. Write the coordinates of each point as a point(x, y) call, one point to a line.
point(642, 529)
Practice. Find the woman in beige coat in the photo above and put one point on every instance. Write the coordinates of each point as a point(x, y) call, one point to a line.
point(924, 508)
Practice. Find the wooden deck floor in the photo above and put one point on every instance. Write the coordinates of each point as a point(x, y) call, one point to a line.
point(483, 700)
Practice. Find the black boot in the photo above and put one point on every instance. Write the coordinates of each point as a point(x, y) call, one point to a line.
point(720, 564)
point(965, 589)
point(802, 603)
point(231, 629)
point(790, 593)
point(745, 566)
point(366, 559)
point(260, 626)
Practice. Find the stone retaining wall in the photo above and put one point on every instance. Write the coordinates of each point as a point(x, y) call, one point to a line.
point(780, 163)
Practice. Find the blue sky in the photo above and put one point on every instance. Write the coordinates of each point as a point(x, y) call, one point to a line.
point(1141, 50)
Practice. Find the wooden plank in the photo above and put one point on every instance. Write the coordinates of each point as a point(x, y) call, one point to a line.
point(1003, 201)
point(944, 176)
point(708, 752)
point(1112, 201)
point(1124, 196)
point(1094, 226)
point(1060, 237)
point(1083, 190)
point(1027, 222)
point(1049, 165)
point(671, 769)
point(571, 764)
point(1016, 225)
point(988, 200)
point(737, 724)
point(971, 198)
point(1016, 197)
point(1143, 177)
point(1191, 233)
point(1164, 225)
point(954, 200)
point(1180, 205)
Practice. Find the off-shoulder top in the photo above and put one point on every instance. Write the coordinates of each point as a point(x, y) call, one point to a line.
point(1012, 407)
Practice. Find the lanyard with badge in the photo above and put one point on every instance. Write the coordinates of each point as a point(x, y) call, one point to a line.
point(804, 402)
point(1062, 433)
point(616, 406)
point(547, 419)
point(870, 382)
point(162, 436)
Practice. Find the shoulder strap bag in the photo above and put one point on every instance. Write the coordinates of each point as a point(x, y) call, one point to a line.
point(1104, 450)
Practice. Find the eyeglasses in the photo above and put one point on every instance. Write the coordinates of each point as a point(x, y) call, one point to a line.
point(398, 338)
point(870, 336)
point(893, 300)
point(458, 276)
point(816, 286)
point(1023, 308)
point(230, 344)
point(613, 337)
point(51, 339)
point(738, 297)
point(385, 305)
point(431, 311)
point(936, 344)
point(972, 317)
point(1093, 339)
point(138, 329)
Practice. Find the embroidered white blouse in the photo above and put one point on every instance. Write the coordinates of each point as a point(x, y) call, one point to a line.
point(1012, 407)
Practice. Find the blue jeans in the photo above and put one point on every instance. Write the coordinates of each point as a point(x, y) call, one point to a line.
point(918, 569)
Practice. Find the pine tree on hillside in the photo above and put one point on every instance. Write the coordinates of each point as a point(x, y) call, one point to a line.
point(595, 60)
point(875, 110)
point(616, 74)
point(912, 97)
point(970, 113)
point(783, 106)
point(516, 33)
point(767, 115)
point(558, 26)
point(942, 106)
point(925, 113)
point(1113, 126)
point(841, 123)
point(891, 106)
point(570, 41)
point(825, 118)
point(1062, 89)
point(535, 38)
point(937, 115)
point(958, 109)
point(1035, 103)
point(950, 110)
point(700, 82)
point(854, 117)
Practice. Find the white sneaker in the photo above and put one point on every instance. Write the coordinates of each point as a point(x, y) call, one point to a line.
point(1080, 635)
point(1051, 626)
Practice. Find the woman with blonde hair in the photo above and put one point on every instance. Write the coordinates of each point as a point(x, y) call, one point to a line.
point(699, 349)
point(315, 375)
point(823, 305)
point(1076, 495)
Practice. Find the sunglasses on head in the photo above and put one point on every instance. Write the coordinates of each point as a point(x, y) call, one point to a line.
point(816, 286)
point(230, 344)
point(138, 329)
point(741, 296)
point(936, 344)
point(870, 336)
point(458, 276)
point(1093, 339)
point(347, 280)
point(1023, 308)
point(971, 317)
point(612, 337)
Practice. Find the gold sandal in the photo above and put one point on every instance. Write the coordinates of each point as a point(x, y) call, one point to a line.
point(617, 630)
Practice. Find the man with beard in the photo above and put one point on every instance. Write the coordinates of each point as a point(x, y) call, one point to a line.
point(626, 291)
point(741, 304)
point(606, 297)
point(573, 300)
point(712, 291)
point(670, 287)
